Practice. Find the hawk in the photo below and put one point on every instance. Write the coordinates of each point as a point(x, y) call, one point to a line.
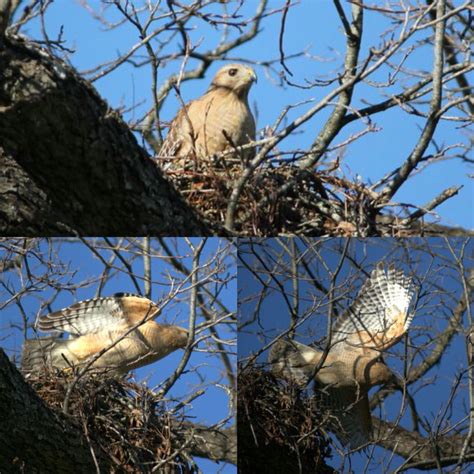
point(219, 120)
point(119, 327)
point(375, 321)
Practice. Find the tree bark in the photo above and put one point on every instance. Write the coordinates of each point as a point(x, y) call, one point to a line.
point(68, 162)
point(35, 438)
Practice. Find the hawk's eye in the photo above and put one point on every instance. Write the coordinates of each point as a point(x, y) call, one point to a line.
point(233, 71)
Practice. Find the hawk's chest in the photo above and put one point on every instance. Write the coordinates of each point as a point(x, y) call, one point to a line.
point(227, 120)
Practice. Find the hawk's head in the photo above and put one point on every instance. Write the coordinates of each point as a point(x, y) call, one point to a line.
point(236, 77)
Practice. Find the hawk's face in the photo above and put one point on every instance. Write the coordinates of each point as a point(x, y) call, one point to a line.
point(181, 338)
point(171, 337)
point(236, 77)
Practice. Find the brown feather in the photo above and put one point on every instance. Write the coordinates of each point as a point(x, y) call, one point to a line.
point(215, 122)
point(119, 325)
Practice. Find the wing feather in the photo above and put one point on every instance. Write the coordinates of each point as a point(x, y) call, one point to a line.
point(173, 142)
point(97, 314)
point(379, 316)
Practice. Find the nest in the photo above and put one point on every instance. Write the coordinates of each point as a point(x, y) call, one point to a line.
point(284, 200)
point(122, 419)
point(278, 426)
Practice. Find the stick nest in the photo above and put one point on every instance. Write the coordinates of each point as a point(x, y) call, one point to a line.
point(288, 200)
point(278, 426)
point(121, 418)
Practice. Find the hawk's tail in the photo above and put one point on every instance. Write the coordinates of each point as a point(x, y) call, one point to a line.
point(37, 354)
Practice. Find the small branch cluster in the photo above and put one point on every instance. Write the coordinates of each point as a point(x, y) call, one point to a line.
point(293, 200)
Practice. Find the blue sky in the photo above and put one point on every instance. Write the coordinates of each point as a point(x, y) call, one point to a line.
point(312, 26)
point(431, 264)
point(81, 267)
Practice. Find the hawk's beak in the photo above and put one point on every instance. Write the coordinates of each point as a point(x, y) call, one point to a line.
point(252, 75)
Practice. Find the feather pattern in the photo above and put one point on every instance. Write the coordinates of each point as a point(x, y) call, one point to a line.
point(115, 333)
point(93, 315)
point(215, 122)
point(383, 300)
point(375, 321)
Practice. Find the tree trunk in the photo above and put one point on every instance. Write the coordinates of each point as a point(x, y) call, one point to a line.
point(68, 162)
point(34, 438)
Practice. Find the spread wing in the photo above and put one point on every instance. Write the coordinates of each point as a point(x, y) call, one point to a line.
point(379, 315)
point(97, 314)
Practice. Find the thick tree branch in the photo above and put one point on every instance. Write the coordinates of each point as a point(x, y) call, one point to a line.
point(6, 8)
point(450, 51)
point(336, 120)
point(33, 436)
point(69, 164)
point(433, 117)
point(420, 452)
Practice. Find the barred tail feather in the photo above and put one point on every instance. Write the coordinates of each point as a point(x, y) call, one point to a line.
point(37, 353)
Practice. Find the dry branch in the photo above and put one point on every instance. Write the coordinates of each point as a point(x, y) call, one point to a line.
point(278, 428)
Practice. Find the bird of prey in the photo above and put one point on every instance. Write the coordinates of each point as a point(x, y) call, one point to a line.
point(218, 121)
point(375, 321)
point(116, 333)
